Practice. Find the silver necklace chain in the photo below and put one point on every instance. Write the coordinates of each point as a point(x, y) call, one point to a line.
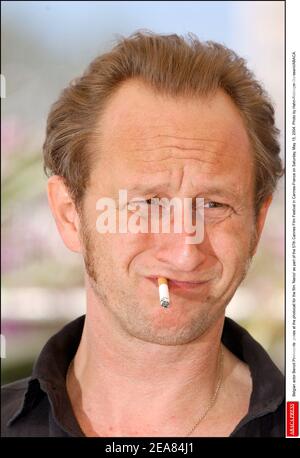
point(212, 400)
point(215, 395)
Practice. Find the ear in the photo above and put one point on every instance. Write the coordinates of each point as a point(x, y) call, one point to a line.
point(260, 220)
point(64, 212)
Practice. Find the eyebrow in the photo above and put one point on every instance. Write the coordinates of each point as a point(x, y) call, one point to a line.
point(147, 189)
point(215, 191)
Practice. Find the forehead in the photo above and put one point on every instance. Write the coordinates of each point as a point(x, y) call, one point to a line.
point(144, 132)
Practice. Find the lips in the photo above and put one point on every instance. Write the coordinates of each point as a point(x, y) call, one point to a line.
point(184, 284)
point(177, 284)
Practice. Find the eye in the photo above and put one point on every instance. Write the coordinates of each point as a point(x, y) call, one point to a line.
point(213, 204)
point(142, 203)
point(150, 201)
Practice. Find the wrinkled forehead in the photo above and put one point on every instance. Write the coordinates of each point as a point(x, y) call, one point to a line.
point(144, 132)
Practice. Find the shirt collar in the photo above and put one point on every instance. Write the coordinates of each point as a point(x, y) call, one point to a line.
point(49, 374)
point(268, 388)
point(49, 377)
point(268, 382)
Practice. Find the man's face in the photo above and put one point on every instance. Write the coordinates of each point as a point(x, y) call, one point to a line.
point(157, 146)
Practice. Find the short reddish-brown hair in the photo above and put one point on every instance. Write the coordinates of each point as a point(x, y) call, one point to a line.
point(172, 65)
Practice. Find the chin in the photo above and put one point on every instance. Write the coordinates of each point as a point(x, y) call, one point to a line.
point(174, 330)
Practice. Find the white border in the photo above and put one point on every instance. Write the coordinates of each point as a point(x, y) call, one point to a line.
point(292, 198)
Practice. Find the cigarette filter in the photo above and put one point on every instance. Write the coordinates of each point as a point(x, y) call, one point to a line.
point(163, 289)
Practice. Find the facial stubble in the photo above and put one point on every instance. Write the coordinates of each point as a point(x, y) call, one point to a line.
point(128, 312)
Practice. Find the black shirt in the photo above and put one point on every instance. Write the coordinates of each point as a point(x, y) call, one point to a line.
point(39, 405)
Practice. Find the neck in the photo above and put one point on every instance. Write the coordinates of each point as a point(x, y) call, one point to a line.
point(112, 369)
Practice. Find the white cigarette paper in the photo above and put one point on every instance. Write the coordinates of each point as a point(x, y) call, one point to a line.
point(163, 290)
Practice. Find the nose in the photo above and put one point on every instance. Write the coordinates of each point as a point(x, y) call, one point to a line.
point(177, 254)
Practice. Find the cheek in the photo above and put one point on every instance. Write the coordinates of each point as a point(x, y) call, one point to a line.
point(231, 243)
point(123, 249)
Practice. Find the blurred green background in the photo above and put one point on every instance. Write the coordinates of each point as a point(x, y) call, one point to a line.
point(46, 44)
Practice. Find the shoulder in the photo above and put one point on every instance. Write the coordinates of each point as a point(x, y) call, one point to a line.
point(12, 399)
point(272, 424)
point(13, 393)
point(24, 409)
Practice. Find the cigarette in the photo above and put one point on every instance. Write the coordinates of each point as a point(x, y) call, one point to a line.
point(163, 290)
